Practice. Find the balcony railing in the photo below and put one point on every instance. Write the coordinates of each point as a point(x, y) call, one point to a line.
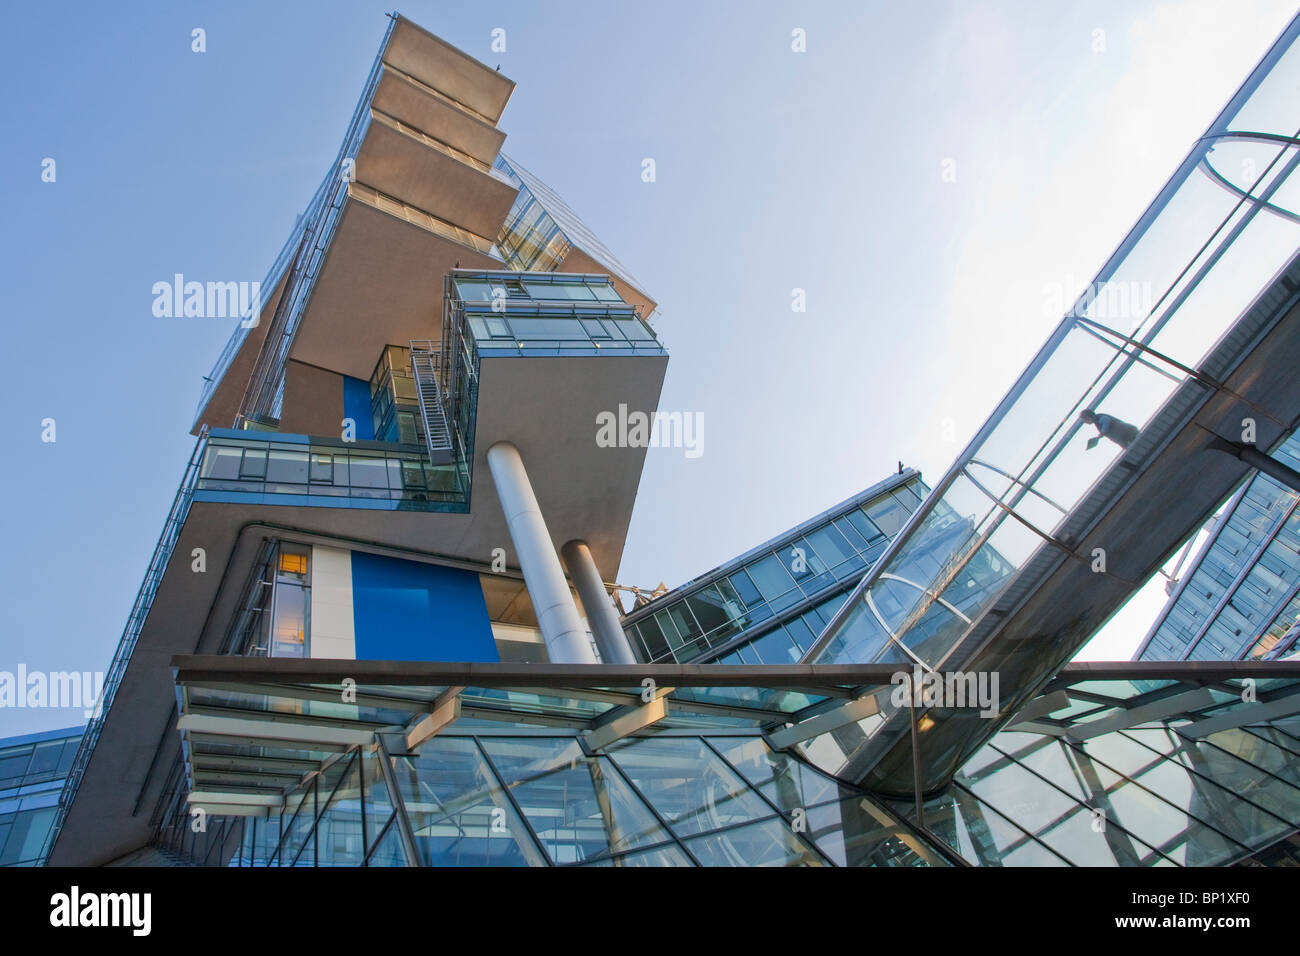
point(327, 473)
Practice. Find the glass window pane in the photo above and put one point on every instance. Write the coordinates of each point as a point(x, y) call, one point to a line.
point(578, 805)
point(744, 587)
point(770, 576)
point(788, 782)
point(768, 843)
point(458, 812)
point(686, 782)
point(887, 515)
point(830, 544)
point(708, 607)
point(659, 856)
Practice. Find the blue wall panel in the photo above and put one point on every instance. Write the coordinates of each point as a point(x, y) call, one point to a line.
point(408, 611)
point(356, 405)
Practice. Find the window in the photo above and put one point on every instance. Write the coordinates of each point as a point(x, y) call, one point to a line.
point(770, 576)
point(291, 603)
point(292, 563)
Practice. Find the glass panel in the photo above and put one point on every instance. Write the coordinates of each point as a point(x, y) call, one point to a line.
point(458, 812)
point(771, 577)
point(287, 467)
point(579, 806)
point(378, 804)
point(850, 833)
point(981, 835)
point(744, 587)
point(338, 837)
point(708, 607)
point(660, 856)
point(768, 843)
point(686, 782)
point(830, 545)
point(388, 849)
point(789, 783)
point(1200, 798)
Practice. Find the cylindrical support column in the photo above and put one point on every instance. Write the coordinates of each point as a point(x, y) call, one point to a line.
point(605, 625)
point(562, 631)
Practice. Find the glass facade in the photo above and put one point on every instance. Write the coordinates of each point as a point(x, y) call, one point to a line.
point(1139, 797)
point(33, 768)
point(767, 606)
point(1240, 599)
point(394, 404)
point(294, 469)
point(506, 314)
point(501, 313)
point(415, 763)
point(1193, 769)
point(1087, 437)
point(288, 633)
point(1112, 769)
point(541, 228)
point(501, 800)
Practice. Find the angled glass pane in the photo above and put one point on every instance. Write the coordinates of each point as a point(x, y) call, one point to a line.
point(388, 850)
point(1199, 797)
point(1185, 840)
point(659, 856)
point(767, 843)
point(378, 804)
point(981, 835)
point(687, 784)
point(579, 806)
point(789, 783)
point(338, 835)
point(770, 576)
point(1259, 751)
point(849, 833)
point(458, 812)
point(300, 820)
point(1229, 771)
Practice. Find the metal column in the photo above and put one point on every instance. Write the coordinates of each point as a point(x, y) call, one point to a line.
point(604, 620)
point(562, 631)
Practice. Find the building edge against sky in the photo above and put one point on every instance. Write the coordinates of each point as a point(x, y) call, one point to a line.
point(395, 484)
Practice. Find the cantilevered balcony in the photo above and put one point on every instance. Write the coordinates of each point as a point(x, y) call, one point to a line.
point(271, 468)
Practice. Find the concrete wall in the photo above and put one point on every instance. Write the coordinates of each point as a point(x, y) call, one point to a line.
point(313, 401)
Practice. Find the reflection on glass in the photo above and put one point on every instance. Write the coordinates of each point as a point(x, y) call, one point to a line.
point(579, 806)
point(687, 784)
point(459, 814)
point(767, 843)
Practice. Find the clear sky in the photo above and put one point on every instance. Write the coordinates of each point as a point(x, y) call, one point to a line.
point(776, 170)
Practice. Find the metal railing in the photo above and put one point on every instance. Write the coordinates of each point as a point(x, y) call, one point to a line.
point(327, 472)
point(1064, 381)
point(426, 357)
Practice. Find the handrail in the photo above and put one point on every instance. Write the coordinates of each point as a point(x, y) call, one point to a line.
point(1190, 163)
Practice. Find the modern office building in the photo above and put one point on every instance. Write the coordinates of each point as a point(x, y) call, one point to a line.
point(33, 768)
point(1239, 599)
point(377, 627)
point(767, 605)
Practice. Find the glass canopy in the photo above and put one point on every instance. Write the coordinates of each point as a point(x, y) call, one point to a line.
point(322, 762)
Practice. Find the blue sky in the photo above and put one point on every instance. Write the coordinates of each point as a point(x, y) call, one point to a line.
point(776, 170)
